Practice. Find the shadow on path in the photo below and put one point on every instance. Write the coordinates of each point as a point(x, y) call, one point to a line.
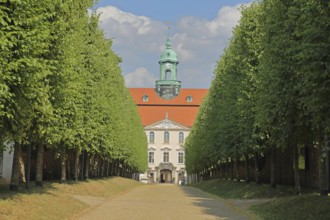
point(215, 206)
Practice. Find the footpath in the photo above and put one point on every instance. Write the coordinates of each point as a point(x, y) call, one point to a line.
point(161, 202)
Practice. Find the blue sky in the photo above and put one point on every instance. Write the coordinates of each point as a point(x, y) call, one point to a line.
point(172, 10)
point(200, 30)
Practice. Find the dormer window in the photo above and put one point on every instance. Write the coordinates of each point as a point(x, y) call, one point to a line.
point(189, 99)
point(145, 98)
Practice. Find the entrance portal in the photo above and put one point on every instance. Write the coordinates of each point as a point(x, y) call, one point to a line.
point(166, 176)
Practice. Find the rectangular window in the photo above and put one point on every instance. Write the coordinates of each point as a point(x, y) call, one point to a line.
point(166, 137)
point(180, 159)
point(151, 157)
point(166, 157)
point(151, 137)
point(181, 137)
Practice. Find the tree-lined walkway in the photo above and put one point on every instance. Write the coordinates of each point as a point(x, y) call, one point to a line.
point(162, 201)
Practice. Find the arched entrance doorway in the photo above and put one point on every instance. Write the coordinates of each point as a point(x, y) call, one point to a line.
point(165, 173)
point(165, 176)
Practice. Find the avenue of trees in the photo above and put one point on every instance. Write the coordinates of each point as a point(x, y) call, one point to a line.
point(61, 89)
point(271, 91)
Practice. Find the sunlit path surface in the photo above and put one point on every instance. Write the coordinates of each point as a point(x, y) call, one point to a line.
point(162, 201)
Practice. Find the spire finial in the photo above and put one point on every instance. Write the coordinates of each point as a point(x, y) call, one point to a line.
point(168, 24)
point(168, 42)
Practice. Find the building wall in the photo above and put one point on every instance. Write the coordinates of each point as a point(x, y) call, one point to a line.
point(173, 147)
point(6, 165)
point(174, 115)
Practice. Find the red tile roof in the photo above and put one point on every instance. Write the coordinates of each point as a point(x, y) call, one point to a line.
point(178, 109)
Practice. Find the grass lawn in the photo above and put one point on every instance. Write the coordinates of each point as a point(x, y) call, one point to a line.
point(55, 200)
point(284, 203)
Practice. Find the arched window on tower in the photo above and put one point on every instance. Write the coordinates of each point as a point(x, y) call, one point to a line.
point(151, 137)
point(166, 137)
point(168, 75)
point(181, 137)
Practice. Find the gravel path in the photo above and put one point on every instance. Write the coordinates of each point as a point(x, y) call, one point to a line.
point(161, 202)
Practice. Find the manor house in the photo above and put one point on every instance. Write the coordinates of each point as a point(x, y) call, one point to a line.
point(167, 113)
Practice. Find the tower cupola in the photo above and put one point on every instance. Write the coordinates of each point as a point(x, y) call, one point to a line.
point(168, 86)
point(168, 54)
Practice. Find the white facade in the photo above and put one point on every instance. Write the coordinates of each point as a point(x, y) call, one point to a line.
point(6, 163)
point(166, 152)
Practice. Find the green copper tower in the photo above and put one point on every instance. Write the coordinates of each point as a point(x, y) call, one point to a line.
point(168, 87)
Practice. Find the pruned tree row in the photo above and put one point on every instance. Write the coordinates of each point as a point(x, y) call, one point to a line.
point(61, 89)
point(269, 99)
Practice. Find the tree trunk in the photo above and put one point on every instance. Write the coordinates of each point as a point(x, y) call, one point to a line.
point(237, 166)
point(116, 167)
point(102, 166)
point(122, 172)
point(323, 167)
point(257, 169)
point(322, 174)
point(92, 166)
point(15, 168)
point(68, 165)
point(63, 165)
point(272, 167)
point(98, 169)
point(227, 169)
point(96, 165)
point(126, 172)
point(215, 171)
point(106, 168)
point(21, 168)
point(219, 171)
point(231, 169)
point(129, 173)
point(296, 169)
point(39, 164)
point(76, 165)
point(247, 169)
point(87, 158)
point(82, 166)
point(112, 172)
point(28, 166)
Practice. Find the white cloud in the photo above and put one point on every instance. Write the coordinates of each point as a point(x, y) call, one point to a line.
point(140, 78)
point(199, 44)
point(202, 35)
point(139, 41)
point(127, 28)
point(227, 18)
